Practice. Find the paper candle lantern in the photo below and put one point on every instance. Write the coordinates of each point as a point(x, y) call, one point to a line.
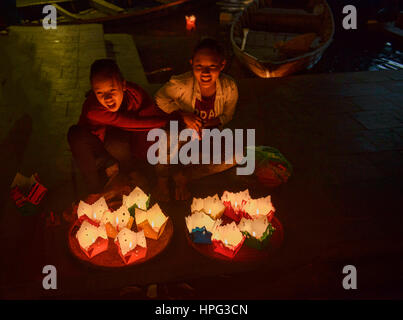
point(257, 231)
point(122, 218)
point(132, 246)
point(234, 203)
point(92, 240)
point(227, 239)
point(152, 221)
point(108, 220)
point(136, 199)
point(256, 208)
point(200, 227)
point(210, 205)
point(92, 213)
point(117, 220)
point(27, 193)
point(190, 22)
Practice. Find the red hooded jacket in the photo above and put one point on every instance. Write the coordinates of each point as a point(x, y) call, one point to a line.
point(138, 112)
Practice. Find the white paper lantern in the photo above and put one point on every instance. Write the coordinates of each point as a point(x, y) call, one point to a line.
point(138, 197)
point(256, 227)
point(88, 234)
point(259, 207)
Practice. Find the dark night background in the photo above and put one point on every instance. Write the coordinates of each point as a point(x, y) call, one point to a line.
point(340, 124)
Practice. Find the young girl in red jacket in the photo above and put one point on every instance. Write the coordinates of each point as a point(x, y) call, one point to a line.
point(115, 114)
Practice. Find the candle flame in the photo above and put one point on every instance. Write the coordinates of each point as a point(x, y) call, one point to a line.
point(130, 244)
point(95, 215)
point(254, 234)
point(235, 204)
point(226, 242)
point(152, 224)
point(257, 211)
point(209, 211)
point(93, 240)
point(117, 220)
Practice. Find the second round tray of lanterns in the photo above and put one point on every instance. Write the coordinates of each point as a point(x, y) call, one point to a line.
point(234, 227)
point(122, 232)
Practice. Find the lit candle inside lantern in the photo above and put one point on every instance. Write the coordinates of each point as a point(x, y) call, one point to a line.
point(136, 197)
point(232, 239)
point(255, 227)
point(199, 220)
point(129, 243)
point(88, 234)
point(190, 22)
point(256, 206)
point(94, 211)
point(152, 221)
point(212, 206)
point(236, 199)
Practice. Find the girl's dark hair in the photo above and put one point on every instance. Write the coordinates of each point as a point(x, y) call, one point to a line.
point(211, 44)
point(107, 68)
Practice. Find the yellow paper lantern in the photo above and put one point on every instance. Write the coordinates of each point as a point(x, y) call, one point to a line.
point(152, 221)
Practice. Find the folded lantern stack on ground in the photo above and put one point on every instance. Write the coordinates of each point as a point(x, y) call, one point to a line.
point(250, 222)
point(98, 223)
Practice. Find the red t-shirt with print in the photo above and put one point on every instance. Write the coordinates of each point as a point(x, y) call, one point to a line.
point(205, 108)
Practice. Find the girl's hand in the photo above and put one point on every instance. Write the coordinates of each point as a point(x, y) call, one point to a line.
point(215, 122)
point(192, 121)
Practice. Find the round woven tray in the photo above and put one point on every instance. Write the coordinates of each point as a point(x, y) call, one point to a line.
point(111, 258)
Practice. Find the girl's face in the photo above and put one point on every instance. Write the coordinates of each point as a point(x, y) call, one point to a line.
point(109, 91)
point(207, 66)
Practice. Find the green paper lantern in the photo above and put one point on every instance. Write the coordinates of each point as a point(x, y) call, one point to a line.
point(260, 243)
point(132, 209)
point(272, 168)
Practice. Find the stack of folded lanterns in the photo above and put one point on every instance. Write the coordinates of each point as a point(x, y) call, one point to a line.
point(98, 223)
point(250, 222)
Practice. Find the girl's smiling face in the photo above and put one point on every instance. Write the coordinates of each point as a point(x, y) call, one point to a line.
point(207, 65)
point(109, 91)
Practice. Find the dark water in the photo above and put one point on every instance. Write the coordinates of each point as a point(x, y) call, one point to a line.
point(165, 46)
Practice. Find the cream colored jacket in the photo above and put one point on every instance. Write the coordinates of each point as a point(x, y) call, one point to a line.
point(181, 92)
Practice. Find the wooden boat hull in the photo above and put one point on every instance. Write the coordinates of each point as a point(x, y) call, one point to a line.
point(270, 69)
point(395, 29)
